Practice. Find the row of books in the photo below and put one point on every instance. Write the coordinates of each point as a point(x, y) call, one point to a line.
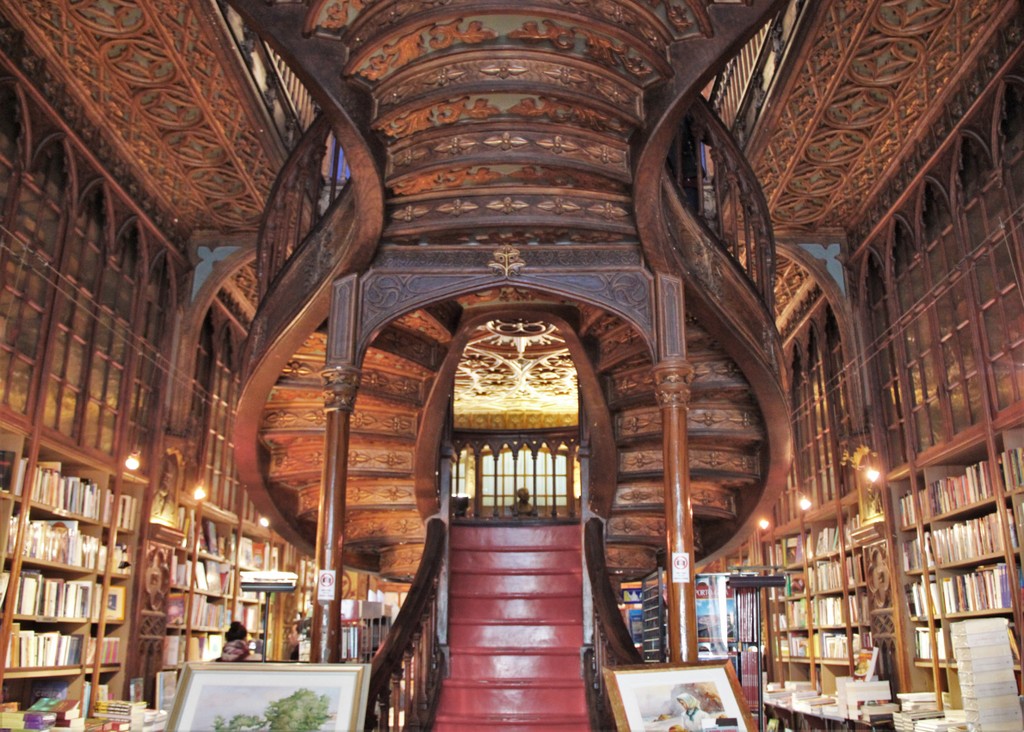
point(78, 495)
point(212, 575)
point(967, 540)
point(985, 589)
point(31, 649)
point(199, 647)
point(59, 541)
point(52, 597)
point(827, 576)
point(954, 492)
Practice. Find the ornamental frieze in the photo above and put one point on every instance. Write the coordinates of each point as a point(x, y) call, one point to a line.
point(416, 43)
point(632, 384)
point(383, 526)
point(724, 460)
point(367, 494)
point(392, 386)
point(630, 560)
point(400, 562)
point(646, 495)
point(369, 460)
point(507, 71)
point(443, 113)
point(474, 177)
point(636, 527)
point(724, 420)
point(637, 423)
point(640, 461)
point(388, 423)
point(308, 420)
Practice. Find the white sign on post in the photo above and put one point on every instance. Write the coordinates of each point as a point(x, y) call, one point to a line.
point(680, 567)
point(326, 585)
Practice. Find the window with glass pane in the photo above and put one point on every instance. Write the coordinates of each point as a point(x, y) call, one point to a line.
point(882, 360)
point(74, 309)
point(918, 333)
point(29, 273)
point(112, 338)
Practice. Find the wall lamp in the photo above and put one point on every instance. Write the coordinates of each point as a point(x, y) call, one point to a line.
point(859, 460)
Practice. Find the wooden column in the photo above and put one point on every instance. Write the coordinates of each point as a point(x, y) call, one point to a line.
point(340, 386)
point(672, 386)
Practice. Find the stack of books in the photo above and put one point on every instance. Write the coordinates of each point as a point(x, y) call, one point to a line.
point(120, 715)
point(852, 694)
point(952, 721)
point(988, 688)
point(915, 706)
point(67, 712)
point(874, 712)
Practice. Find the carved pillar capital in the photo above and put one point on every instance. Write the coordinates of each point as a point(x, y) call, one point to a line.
point(340, 386)
point(672, 381)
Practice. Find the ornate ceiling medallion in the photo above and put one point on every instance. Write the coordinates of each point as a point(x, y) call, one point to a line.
point(513, 370)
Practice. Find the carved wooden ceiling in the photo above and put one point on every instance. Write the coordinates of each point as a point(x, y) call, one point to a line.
point(151, 75)
point(155, 77)
point(868, 87)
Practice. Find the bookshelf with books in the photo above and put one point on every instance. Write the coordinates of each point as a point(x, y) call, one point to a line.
point(68, 545)
point(958, 552)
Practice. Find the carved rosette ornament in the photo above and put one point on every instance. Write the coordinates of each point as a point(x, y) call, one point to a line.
point(340, 386)
point(672, 383)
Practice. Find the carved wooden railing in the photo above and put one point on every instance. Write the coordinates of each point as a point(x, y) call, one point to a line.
point(612, 643)
point(311, 180)
point(717, 184)
point(405, 681)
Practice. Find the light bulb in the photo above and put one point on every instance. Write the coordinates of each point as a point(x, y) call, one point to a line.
point(132, 462)
point(264, 521)
point(199, 493)
point(764, 524)
point(805, 503)
point(872, 474)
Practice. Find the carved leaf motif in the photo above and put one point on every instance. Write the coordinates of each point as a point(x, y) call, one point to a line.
point(394, 56)
point(443, 36)
point(559, 36)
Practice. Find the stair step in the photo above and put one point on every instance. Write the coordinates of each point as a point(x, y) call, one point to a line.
point(498, 663)
point(531, 722)
point(531, 559)
point(528, 608)
point(490, 585)
point(512, 537)
point(502, 635)
point(509, 696)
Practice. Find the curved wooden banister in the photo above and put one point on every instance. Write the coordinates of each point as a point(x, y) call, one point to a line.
point(411, 654)
point(612, 645)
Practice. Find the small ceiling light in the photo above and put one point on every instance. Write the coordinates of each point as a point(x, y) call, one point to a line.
point(805, 503)
point(199, 493)
point(764, 524)
point(264, 521)
point(132, 462)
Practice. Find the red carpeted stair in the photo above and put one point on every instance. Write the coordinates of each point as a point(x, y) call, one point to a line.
point(515, 630)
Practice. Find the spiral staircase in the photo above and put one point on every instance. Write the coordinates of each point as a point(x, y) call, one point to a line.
point(512, 158)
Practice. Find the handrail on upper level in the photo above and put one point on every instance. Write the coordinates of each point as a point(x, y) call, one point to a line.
point(718, 186)
point(405, 679)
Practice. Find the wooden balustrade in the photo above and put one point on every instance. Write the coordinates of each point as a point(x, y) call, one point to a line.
point(405, 680)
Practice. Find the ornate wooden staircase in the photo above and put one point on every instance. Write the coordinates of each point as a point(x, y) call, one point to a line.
point(515, 629)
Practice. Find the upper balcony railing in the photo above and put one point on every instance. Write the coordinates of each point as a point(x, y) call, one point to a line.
point(716, 183)
point(311, 180)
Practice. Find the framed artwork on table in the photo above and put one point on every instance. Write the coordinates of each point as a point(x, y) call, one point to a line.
point(326, 697)
point(659, 697)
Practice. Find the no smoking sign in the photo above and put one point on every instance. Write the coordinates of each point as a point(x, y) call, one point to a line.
point(680, 566)
point(325, 585)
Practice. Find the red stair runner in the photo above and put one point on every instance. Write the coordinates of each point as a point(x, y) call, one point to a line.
point(515, 630)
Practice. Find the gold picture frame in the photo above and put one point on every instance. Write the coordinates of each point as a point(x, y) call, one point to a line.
point(657, 697)
point(330, 697)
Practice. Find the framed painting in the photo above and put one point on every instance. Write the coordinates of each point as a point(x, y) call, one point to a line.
point(658, 697)
point(298, 697)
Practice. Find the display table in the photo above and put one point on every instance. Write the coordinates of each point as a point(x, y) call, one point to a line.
point(803, 720)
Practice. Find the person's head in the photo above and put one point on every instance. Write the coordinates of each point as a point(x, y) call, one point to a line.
point(237, 631)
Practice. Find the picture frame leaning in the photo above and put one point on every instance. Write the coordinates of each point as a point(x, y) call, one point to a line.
point(330, 697)
point(657, 697)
